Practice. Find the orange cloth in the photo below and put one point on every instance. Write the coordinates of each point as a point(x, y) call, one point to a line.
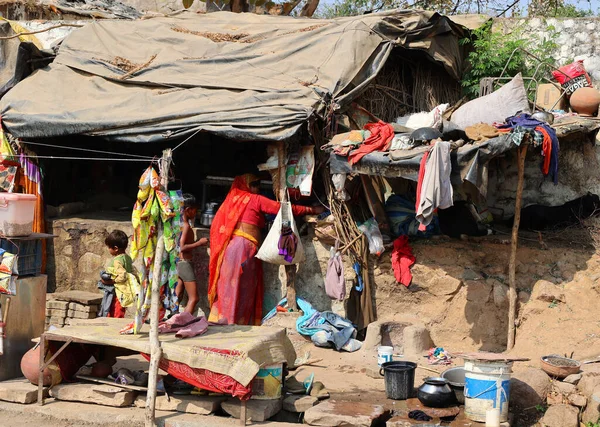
point(546, 149)
point(223, 226)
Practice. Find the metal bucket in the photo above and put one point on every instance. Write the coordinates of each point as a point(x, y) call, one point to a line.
point(456, 379)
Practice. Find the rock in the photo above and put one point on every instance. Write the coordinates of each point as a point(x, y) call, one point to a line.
point(83, 297)
point(561, 416)
point(201, 405)
point(19, 391)
point(573, 379)
point(399, 422)
point(444, 285)
point(299, 404)
point(257, 410)
point(564, 388)
point(577, 400)
point(592, 411)
point(90, 263)
point(479, 292)
point(416, 340)
point(373, 372)
point(524, 297)
point(500, 293)
point(67, 209)
point(548, 292)
point(55, 312)
point(385, 333)
point(554, 399)
point(81, 315)
point(529, 388)
point(332, 413)
point(83, 308)
point(590, 381)
point(86, 394)
point(59, 305)
point(469, 274)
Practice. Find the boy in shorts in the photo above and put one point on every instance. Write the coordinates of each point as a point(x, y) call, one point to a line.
point(185, 267)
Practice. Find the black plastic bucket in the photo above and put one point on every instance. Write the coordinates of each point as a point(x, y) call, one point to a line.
point(399, 379)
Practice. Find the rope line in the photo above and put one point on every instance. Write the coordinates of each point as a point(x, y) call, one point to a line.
point(86, 149)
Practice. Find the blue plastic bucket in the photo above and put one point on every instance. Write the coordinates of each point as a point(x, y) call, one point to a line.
point(487, 386)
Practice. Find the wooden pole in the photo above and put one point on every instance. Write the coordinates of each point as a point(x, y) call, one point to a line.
point(155, 348)
point(290, 270)
point(512, 292)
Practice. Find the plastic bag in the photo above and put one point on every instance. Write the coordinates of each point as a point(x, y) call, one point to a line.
point(8, 263)
point(300, 170)
point(335, 285)
point(269, 250)
point(371, 230)
point(339, 182)
point(572, 77)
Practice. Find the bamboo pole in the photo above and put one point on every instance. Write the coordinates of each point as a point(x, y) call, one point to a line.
point(155, 348)
point(512, 292)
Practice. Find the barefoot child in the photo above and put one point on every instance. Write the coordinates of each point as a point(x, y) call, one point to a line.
point(185, 267)
point(115, 281)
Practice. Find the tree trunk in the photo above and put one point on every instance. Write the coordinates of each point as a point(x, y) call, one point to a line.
point(309, 8)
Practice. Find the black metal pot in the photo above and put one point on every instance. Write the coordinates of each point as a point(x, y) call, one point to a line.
point(436, 393)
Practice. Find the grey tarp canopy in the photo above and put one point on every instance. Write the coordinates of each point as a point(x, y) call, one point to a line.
point(149, 79)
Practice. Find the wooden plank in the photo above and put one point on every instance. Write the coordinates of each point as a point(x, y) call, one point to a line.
point(112, 383)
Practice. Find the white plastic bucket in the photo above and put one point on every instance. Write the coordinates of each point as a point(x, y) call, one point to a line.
point(384, 354)
point(16, 214)
point(487, 386)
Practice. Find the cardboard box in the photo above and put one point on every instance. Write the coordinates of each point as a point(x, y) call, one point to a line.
point(548, 95)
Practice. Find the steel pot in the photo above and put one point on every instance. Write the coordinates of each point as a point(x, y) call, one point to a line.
point(543, 116)
point(436, 393)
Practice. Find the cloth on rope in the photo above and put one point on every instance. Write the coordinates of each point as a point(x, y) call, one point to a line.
point(402, 260)
point(434, 189)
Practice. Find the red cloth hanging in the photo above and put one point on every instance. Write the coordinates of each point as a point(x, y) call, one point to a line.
point(381, 136)
point(546, 150)
point(402, 260)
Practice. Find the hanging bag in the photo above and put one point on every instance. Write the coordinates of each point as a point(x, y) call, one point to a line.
point(335, 284)
point(284, 222)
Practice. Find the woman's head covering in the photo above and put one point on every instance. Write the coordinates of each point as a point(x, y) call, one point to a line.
point(223, 225)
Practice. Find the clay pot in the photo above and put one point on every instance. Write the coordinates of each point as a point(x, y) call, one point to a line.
point(30, 364)
point(585, 101)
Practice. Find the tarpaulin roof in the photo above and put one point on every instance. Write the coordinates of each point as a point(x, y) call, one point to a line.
point(243, 76)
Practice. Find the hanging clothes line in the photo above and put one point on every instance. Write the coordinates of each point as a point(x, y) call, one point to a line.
point(106, 159)
point(89, 150)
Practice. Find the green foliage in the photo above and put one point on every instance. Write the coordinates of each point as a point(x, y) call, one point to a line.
point(591, 424)
point(494, 51)
point(540, 408)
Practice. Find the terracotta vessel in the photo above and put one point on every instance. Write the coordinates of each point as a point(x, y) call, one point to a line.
point(30, 364)
point(585, 101)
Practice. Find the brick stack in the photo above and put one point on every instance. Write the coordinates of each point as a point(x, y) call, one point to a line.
point(72, 307)
point(56, 313)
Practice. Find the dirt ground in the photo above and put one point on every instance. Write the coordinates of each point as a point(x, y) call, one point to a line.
point(10, 419)
point(460, 292)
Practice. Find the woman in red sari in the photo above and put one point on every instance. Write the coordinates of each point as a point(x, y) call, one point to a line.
point(235, 290)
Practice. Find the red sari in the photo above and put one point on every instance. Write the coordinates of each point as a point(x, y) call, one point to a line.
point(236, 290)
point(227, 263)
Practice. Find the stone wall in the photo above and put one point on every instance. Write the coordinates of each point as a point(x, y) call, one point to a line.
point(77, 255)
point(577, 38)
